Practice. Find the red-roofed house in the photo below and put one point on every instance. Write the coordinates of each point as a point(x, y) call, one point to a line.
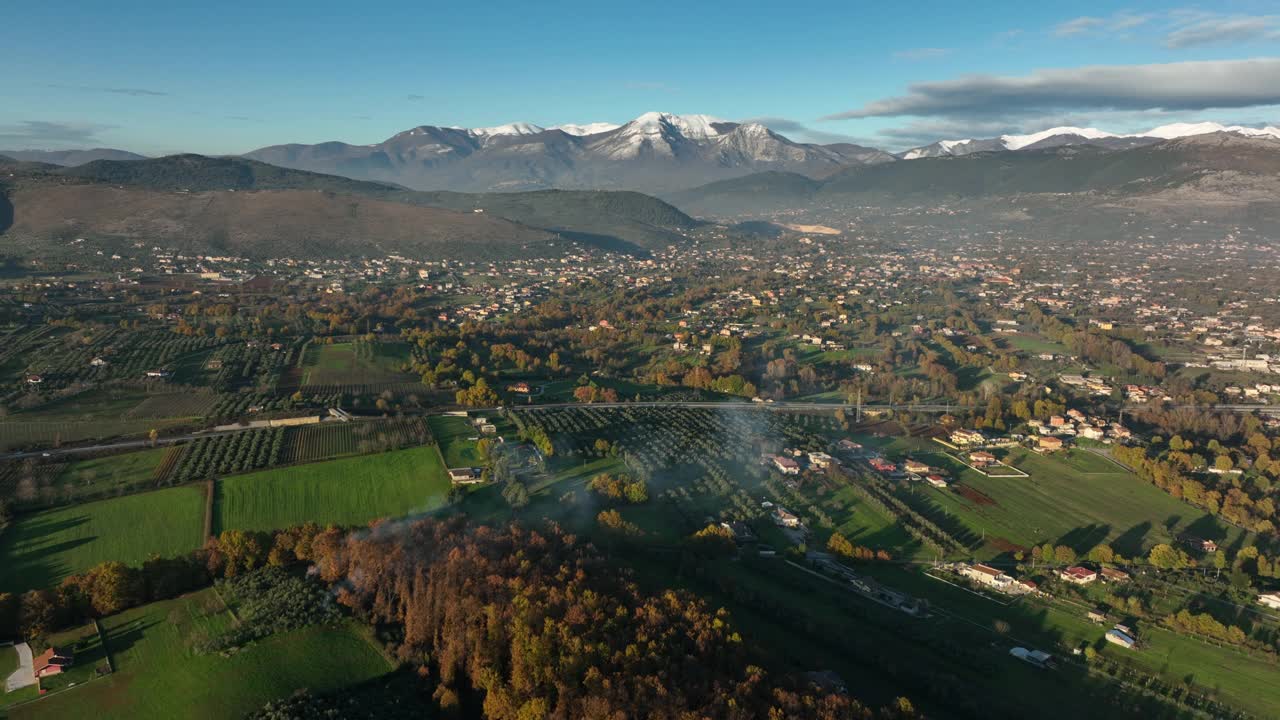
point(1078, 575)
point(52, 661)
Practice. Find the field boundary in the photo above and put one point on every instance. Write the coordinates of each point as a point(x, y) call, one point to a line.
point(210, 489)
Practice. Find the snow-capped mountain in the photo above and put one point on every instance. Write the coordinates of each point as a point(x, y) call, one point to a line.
point(655, 152)
point(1059, 136)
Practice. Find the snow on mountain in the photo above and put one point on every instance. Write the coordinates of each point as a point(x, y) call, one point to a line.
point(1178, 130)
point(516, 128)
point(1072, 135)
point(1017, 142)
point(594, 128)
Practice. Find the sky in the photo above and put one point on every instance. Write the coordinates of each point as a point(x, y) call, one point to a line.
point(229, 77)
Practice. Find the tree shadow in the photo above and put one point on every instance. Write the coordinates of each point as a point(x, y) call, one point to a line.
point(1085, 538)
point(1130, 542)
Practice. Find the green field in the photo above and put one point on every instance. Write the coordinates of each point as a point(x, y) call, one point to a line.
point(456, 438)
point(1077, 499)
point(38, 550)
point(158, 676)
point(345, 492)
point(97, 477)
point(355, 362)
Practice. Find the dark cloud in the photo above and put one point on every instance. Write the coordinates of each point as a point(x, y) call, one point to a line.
point(33, 134)
point(1171, 86)
point(1220, 30)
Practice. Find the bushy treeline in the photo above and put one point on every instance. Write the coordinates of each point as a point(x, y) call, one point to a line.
point(536, 625)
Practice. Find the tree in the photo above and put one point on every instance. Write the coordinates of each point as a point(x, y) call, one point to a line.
point(1064, 555)
point(1102, 554)
point(840, 545)
point(114, 586)
point(1167, 557)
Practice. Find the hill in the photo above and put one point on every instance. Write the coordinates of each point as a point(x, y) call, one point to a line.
point(241, 206)
point(71, 157)
point(1211, 169)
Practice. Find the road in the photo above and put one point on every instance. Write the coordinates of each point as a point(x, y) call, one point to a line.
point(724, 405)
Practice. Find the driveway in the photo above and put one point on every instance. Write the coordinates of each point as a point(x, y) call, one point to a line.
point(25, 674)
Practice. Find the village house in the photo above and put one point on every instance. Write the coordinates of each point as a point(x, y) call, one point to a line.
point(819, 459)
point(916, 467)
point(786, 465)
point(937, 481)
point(521, 387)
point(1110, 574)
point(964, 437)
point(52, 661)
point(1049, 443)
point(981, 458)
point(1078, 575)
point(464, 476)
point(987, 575)
point(1271, 600)
point(783, 518)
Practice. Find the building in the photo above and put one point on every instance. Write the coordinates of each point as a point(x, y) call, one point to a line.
point(783, 518)
point(981, 458)
point(1078, 575)
point(52, 661)
point(987, 575)
point(1116, 637)
point(937, 481)
point(917, 467)
point(521, 387)
point(964, 437)
point(1049, 443)
point(1271, 600)
point(1038, 658)
point(819, 459)
point(464, 476)
point(786, 465)
point(1113, 575)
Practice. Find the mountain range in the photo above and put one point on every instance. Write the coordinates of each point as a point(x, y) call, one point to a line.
point(1229, 172)
point(655, 152)
point(1061, 136)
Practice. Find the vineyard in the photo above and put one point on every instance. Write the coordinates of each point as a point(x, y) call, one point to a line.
point(329, 440)
point(229, 454)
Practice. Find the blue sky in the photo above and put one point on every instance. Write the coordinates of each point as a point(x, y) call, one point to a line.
point(233, 76)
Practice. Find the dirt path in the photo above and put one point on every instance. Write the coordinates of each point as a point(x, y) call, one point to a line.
point(25, 674)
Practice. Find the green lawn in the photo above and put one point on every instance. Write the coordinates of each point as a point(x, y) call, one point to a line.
point(1077, 499)
point(38, 550)
point(454, 434)
point(350, 491)
point(8, 661)
point(158, 676)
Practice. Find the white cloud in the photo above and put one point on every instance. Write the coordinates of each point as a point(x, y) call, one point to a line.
point(1220, 30)
point(1169, 86)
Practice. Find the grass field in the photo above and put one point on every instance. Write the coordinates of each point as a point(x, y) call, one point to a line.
point(97, 477)
point(351, 491)
point(355, 362)
point(158, 676)
point(456, 438)
point(38, 550)
point(1077, 499)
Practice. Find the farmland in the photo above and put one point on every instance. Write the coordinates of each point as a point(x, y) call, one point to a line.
point(229, 453)
point(358, 362)
point(159, 676)
point(1078, 500)
point(330, 440)
point(88, 479)
point(350, 491)
point(457, 439)
point(40, 549)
